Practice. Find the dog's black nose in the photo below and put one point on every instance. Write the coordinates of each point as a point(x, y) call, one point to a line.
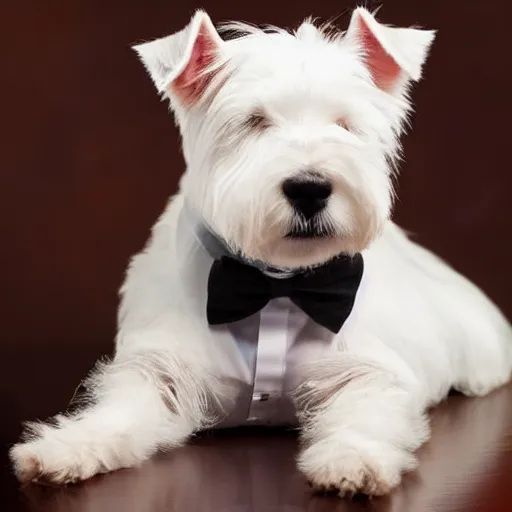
point(307, 197)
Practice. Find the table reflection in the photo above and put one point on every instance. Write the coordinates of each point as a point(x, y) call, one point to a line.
point(254, 471)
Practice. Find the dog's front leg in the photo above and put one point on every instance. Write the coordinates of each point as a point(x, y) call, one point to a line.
point(152, 396)
point(361, 422)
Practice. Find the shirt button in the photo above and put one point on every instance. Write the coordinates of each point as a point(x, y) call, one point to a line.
point(260, 397)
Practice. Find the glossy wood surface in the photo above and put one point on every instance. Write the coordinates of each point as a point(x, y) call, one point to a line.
point(466, 467)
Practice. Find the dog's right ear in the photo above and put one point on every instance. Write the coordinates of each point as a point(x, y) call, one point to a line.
point(181, 64)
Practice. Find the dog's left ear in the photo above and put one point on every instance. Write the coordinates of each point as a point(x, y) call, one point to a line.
point(394, 56)
point(181, 65)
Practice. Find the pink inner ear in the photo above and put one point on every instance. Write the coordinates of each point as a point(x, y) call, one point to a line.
point(385, 71)
point(190, 85)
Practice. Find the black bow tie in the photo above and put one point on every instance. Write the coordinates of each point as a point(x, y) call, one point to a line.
point(326, 294)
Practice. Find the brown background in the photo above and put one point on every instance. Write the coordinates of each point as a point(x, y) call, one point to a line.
point(89, 155)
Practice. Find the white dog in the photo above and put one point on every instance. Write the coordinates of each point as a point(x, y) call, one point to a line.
point(250, 303)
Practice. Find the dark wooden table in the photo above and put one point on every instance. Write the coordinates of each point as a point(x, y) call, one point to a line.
point(467, 466)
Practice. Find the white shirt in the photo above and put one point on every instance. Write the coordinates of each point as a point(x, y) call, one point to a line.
point(263, 352)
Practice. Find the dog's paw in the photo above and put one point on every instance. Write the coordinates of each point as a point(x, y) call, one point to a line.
point(48, 463)
point(26, 463)
point(349, 471)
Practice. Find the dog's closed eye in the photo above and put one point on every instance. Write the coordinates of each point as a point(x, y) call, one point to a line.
point(256, 122)
point(342, 123)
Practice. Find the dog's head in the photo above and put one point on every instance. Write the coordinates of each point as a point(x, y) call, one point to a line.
point(290, 138)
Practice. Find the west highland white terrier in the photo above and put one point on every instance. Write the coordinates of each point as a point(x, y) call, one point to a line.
point(275, 289)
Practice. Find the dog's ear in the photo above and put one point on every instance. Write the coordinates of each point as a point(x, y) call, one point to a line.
point(394, 56)
point(181, 64)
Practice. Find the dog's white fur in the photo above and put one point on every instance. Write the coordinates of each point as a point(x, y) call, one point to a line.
point(334, 104)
